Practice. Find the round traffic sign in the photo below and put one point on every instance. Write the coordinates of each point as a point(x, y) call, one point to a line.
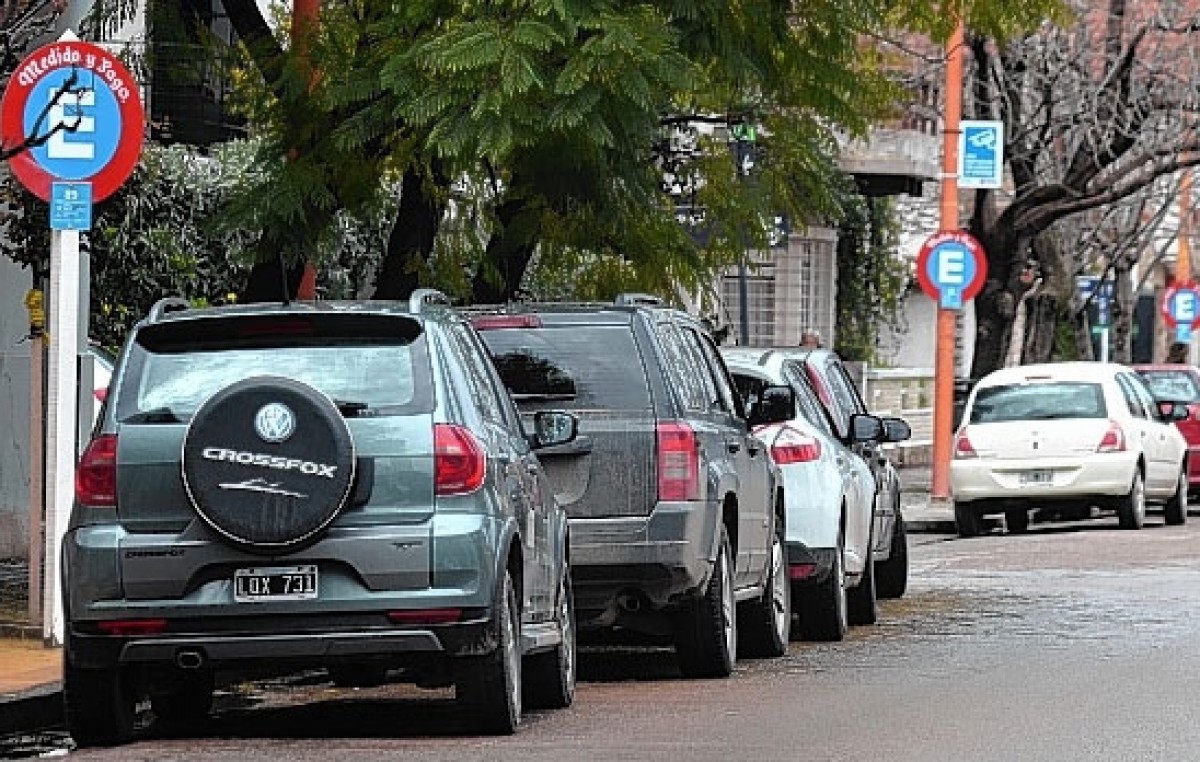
point(952, 267)
point(1181, 305)
point(88, 91)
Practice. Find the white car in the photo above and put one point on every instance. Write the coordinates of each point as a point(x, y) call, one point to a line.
point(1067, 436)
point(828, 498)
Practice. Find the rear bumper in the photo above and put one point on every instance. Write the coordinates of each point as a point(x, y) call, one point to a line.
point(800, 558)
point(660, 557)
point(320, 643)
point(1098, 476)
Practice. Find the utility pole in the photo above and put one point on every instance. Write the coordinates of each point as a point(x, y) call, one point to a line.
point(943, 402)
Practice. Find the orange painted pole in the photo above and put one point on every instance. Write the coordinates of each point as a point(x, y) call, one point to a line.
point(305, 16)
point(1183, 263)
point(943, 371)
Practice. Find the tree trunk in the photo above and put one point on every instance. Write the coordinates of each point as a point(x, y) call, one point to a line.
point(508, 253)
point(410, 244)
point(266, 282)
point(1042, 311)
point(1121, 319)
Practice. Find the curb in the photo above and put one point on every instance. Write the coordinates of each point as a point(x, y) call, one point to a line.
point(34, 709)
point(930, 526)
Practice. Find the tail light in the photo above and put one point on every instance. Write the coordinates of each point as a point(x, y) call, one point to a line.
point(425, 616)
point(792, 446)
point(101, 394)
point(96, 475)
point(495, 322)
point(678, 462)
point(963, 448)
point(458, 460)
point(1194, 411)
point(132, 627)
point(1113, 439)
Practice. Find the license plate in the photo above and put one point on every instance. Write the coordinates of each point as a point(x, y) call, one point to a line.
point(1036, 477)
point(275, 583)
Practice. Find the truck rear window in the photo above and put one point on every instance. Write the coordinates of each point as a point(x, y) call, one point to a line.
point(374, 367)
point(1038, 402)
point(575, 367)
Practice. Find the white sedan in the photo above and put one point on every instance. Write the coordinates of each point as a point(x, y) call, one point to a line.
point(828, 498)
point(1067, 436)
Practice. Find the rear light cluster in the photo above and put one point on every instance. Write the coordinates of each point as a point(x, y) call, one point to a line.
point(793, 446)
point(132, 627)
point(96, 475)
point(962, 445)
point(678, 462)
point(1113, 439)
point(497, 322)
point(459, 463)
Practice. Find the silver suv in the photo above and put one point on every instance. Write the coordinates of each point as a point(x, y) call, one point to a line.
point(677, 511)
point(274, 488)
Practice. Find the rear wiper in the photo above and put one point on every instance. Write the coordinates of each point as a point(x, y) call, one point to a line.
point(351, 408)
point(156, 415)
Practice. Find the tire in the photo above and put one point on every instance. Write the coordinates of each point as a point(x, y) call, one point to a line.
point(488, 688)
point(549, 678)
point(1017, 520)
point(357, 675)
point(823, 611)
point(891, 576)
point(764, 625)
point(100, 707)
point(706, 632)
point(190, 700)
point(281, 501)
point(861, 605)
point(966, 520)
point(1175, 510)
point(1131, 509)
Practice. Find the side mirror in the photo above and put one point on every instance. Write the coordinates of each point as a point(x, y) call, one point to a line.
point(1170, 411)
point(553, 427)
point(896, 430)
point(866, 428)
point(776, 404)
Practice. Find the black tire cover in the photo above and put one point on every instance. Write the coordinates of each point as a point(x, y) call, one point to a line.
point(268, 462)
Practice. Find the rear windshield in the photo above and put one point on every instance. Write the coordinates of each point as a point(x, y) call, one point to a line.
point(575, 367)
point(1174, 385)
point(1038, 402)
point(368, 366)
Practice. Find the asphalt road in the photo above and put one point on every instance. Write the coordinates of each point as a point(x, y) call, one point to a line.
point(1071, 642)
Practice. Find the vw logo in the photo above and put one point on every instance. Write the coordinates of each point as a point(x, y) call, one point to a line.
point(274, 422)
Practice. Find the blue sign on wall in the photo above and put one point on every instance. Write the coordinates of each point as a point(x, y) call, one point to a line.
point(981, 154)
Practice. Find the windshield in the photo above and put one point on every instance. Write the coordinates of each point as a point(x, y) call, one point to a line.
point(1038, 402)
point(1174, 385)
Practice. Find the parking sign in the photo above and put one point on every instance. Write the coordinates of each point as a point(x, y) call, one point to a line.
point(981, 154)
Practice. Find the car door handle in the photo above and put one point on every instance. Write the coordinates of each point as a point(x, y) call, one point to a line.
point(733, 447)
point(753, 449)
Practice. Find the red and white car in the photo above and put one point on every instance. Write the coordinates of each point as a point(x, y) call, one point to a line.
point(1180, 383)
point(1068, 436)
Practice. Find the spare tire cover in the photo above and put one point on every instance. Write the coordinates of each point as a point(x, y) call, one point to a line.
point(268, 462)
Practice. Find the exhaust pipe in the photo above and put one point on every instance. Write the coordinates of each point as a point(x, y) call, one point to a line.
point(189, 659)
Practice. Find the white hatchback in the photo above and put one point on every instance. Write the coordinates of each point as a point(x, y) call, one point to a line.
point(1069, 437)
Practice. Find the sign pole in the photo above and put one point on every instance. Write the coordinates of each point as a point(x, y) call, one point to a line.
point(61, 426)
point(943, 372)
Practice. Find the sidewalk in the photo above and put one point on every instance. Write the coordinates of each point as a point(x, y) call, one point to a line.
point(31, 674)
point(30, 683)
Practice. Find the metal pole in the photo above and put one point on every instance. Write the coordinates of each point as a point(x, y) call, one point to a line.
point(943, 372)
